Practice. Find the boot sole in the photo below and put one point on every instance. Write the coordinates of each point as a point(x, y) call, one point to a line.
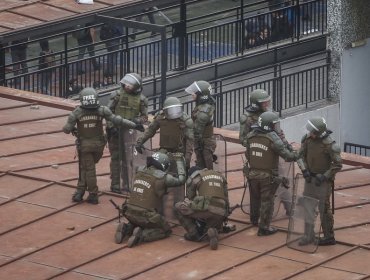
point(119, 236)
point(134, 239)
point(213, 238)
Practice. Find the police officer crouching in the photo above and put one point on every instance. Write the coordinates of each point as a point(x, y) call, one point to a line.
point(91, 139)
point(264, 147)
point(141, 210)
point(205, 207)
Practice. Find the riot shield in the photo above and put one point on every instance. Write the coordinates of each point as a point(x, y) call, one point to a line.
point(283, 195)
point(130, 159)
point(304, 222)
point(219, 156)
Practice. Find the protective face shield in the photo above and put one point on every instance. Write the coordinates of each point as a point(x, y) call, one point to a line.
point(172, 108)
point(159, 161)
point(89, 98)
point(132, 82)
point(268, 121)
point(201, 90)
point(260, 99)
point(317, 126)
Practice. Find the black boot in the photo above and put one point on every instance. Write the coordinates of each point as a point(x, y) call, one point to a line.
point(92, 198)
point(327, 241)
point(123, 230)
point(78, 195)
point(115, 189)
point(266, 231)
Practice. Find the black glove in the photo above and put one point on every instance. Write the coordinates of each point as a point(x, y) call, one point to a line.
point(111, 132)
point(139, 148)
point(289, 147)
point(74, 132)
point(139, 127)
point(307, 176)
point(319, 179)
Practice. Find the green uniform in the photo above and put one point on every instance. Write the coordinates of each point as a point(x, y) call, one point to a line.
point(207, 200)
point(149, 187)
point(263, 151)
point(91, 140)
point(321, 156)
point(246, 121)
point(133, 107)
point(204, 143)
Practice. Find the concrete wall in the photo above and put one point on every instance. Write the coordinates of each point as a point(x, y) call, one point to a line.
point(355, 97)
point(295, 127)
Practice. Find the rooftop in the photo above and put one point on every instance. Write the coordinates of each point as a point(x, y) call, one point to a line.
point(46, 236)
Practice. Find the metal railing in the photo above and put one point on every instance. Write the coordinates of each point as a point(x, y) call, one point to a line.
point(357, 149)
point(290, 88)
point(201, 41)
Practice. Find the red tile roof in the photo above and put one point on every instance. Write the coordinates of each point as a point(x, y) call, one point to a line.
point(44, 235)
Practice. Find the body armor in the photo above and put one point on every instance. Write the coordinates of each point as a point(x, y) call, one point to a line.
point(172, 135)
point(211, 185)
point(207, 109)
point(318, 157)
point(128, 105)
point(90, 125)
point(260, 153)
point(146, 191)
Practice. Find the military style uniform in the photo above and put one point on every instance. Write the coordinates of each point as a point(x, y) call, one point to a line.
point(149, 187)
point(91, 140)
point(133, 107)
point(204, 143)
point(176, 135)
point(321, 157)
point(246, 121)
point(263, 151)
point(207, 201)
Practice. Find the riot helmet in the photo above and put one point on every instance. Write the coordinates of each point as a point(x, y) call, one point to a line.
point(268, 120)
point(159, 161)
point(317, 126)
point(132, 83)
point(172, 108)
point(89, 98)
point(201, 91)
point(260, 99)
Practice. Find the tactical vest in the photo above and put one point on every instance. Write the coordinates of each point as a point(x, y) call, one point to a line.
point(317, 157)
point(260, 153)
point(211, 185)
point(144, 191)
point(90, 125)
point(172, 136)
point(128, 105)
point(206, 108)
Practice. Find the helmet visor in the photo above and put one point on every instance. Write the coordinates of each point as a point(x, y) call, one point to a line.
point(193, 88)
point(311, 128)
point(173, 112)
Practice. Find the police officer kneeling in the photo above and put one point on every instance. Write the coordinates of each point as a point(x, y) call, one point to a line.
point(264, 147)
point(205, 207)
point(141, 210)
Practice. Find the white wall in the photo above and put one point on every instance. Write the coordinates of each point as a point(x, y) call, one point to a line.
point(295, 127)
point(355, 95)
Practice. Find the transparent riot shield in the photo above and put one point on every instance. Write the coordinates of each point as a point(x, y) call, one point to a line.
point(219, 156)
point(304, 222)
point(130, 159)
point(283, 195)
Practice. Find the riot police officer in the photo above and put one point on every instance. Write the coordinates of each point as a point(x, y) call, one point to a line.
point(260, 102)
point(321, 161)
point(129, 103)
point(264, 147)
point(150, 185)
point(205, 207)
point(202, 115)
point(91, 139)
